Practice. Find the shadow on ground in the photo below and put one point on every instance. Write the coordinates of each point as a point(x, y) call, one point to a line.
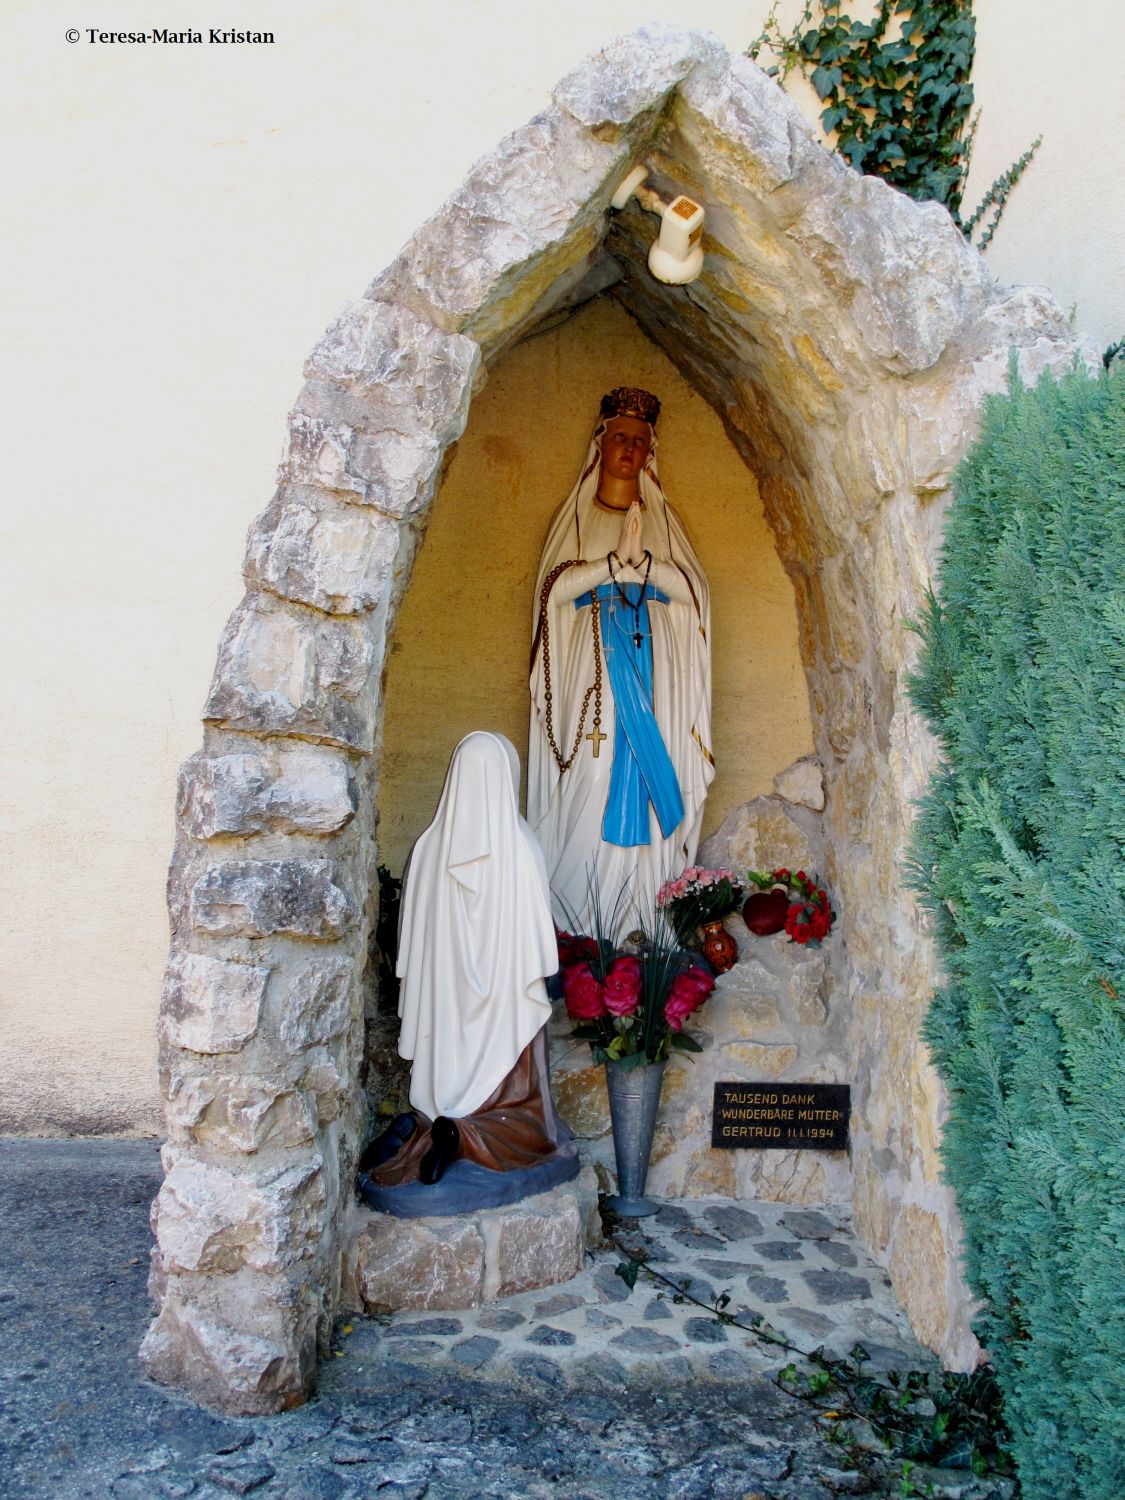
point(394, 1419)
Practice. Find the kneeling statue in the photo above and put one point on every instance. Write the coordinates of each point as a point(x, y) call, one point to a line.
point(476, 943)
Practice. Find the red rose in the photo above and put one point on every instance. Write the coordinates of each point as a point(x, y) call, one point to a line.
point(686, 994)
point(821, 922)
point(585, 997)
point(797, 923)
point(677, 1008)
point(695, 983)
point(623, 986)
point(573, 950)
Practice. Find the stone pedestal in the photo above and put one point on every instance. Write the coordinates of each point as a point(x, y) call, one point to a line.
point(392, 1264)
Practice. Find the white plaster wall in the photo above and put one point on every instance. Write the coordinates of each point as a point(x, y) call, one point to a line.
point(181, 224)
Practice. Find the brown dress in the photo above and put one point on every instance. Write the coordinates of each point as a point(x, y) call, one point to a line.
point(514, 1127)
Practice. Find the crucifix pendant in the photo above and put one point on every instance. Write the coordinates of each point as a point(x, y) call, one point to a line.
point(596, 736)
point(637, 637)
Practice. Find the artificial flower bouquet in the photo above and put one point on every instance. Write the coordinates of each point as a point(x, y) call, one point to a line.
point(697, 897)
point(631, 1006)
point(809, 916)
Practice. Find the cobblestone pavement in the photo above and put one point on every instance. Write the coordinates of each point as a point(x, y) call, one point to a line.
point(578, 1391)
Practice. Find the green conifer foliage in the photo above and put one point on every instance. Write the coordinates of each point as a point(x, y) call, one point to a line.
point(1020, 854)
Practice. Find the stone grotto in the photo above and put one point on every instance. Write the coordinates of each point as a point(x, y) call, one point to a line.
point(845, 337)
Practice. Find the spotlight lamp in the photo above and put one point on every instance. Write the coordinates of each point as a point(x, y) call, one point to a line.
point(676, 256)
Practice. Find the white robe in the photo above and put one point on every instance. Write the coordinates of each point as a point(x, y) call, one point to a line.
point(565, 809)
point(476, 936)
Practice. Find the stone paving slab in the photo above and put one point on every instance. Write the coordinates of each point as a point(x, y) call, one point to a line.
point(799, 1271)
point(529, 1399)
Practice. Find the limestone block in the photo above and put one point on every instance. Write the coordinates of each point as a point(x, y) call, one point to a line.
point(753, 1060)
point(868, 455)
point(1029, 319)
point(871, 1204)
point(400, 469)
point(318, 453)
point(528, 216)
point(307, 789)
point(743, 106)
point(186, 1099)
point(748, 1015)
point(285, 671)
point(582, 1099)
point(711, 1173)
point(258, 1356)
point(212, 1219)
point(785, 1176)
point(338, 558)
point(853, 796)
point(760, 835)
point(256, 897)
point(635, 73)
point(907, 275)
point(848, 603)
point(840, 704)
point(940, 421)
point(314, 1001)
point(248, 1115)
point(536, 1243)
point(412, 377)
point(220, 794)
point(157, 1282)
point(806, 985)
point(802, 782)
point(927, 1112)
point(447, 1263)
point(210, 1005)
point(919, 1269)
point(750, 976)
point(414, 1264)
point(328, 1085)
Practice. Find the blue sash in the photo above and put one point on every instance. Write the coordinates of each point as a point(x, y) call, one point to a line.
point(642, 773)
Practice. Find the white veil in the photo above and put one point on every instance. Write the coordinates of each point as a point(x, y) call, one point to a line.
point(476, 936)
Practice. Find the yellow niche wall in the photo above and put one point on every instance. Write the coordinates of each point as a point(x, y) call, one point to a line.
point(459, 657)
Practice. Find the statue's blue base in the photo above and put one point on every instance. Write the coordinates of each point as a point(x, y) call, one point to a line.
point(466, 1187)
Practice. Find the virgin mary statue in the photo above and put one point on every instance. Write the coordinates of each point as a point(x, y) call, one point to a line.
point(619, 757)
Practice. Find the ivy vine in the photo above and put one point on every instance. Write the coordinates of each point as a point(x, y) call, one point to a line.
point(900, 103)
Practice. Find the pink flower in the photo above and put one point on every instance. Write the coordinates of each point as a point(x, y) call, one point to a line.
point(585, 997)
point(623, 986)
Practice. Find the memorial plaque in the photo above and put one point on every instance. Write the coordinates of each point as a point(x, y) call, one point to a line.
point(782, 1116)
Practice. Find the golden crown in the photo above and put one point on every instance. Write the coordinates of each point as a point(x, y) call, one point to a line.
point(628, 401)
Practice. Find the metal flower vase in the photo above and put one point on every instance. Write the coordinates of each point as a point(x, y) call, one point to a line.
point(634, 1094)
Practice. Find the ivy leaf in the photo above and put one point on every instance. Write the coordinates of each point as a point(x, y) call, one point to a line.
point(628, 1270)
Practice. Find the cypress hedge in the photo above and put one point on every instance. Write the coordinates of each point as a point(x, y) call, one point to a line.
point(1020, 854)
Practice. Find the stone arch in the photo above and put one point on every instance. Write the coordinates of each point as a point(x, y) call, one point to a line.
point(845, 335)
